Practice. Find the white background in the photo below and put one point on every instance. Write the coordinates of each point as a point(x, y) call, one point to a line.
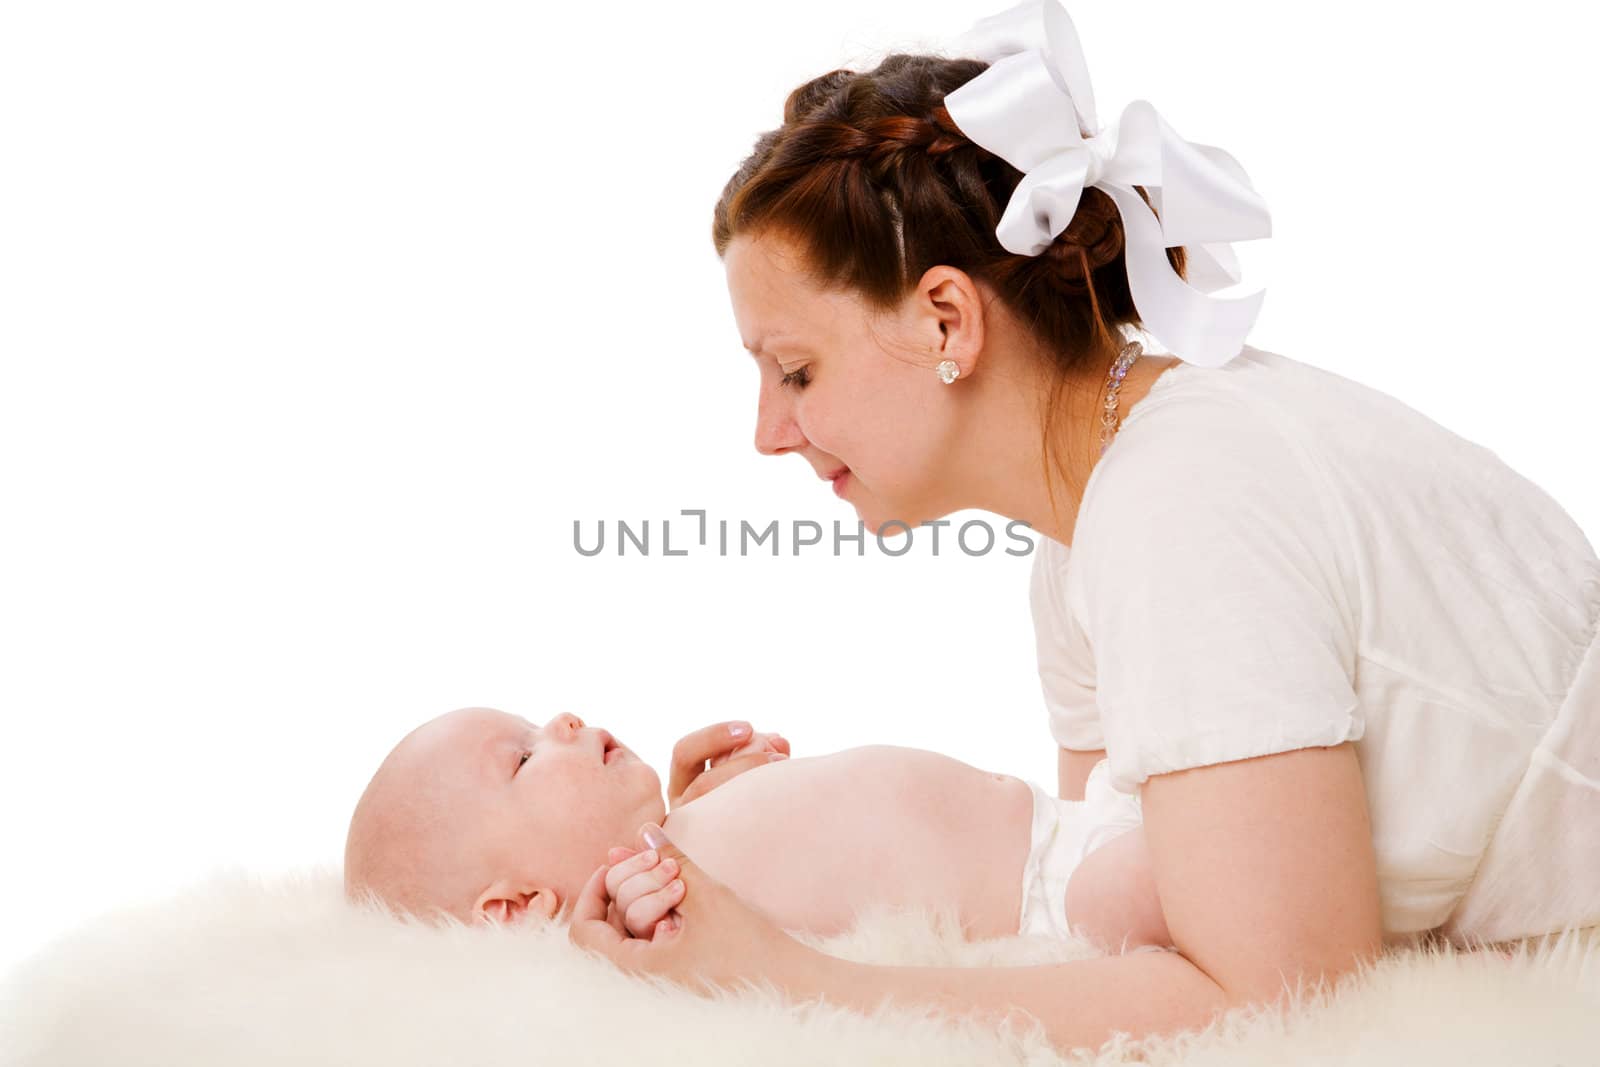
point(322, 322)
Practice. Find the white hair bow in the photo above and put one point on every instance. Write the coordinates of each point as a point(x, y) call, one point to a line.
point(1030, 108)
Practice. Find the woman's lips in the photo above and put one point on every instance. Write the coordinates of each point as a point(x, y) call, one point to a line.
point(839, 480)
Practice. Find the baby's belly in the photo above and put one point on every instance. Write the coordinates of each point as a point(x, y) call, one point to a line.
point(816, 841)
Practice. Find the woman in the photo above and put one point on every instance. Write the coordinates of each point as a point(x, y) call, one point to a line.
point(1348, 660)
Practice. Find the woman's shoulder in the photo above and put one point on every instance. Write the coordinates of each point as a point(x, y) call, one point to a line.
point(1268, 429)
point(1211, 474)
point(1274, 389)
point(1294, 441)
point(1261, 395)
point(1239, 435)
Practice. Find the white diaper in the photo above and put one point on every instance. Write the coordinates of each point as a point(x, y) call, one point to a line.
point(1065, 831)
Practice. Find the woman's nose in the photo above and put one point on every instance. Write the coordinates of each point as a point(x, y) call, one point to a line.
point(776, 430)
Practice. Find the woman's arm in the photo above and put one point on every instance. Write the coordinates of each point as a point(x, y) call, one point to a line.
point(1266, 872)
point(1264, 867)
point(1072, 771)
point(1111, 897)
point(1080, 1004)
point(1287, 879)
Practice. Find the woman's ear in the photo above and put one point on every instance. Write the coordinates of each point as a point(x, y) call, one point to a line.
point(505, 903)
point(952, 312)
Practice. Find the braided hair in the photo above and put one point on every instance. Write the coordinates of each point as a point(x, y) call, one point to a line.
point(873, 183)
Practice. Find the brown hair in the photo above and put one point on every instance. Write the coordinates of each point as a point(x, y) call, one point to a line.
point(869, 164)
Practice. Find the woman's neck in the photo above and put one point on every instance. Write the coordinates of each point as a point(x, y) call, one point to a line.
point(1002, 466)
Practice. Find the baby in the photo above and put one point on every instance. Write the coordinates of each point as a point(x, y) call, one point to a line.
point(482, 814)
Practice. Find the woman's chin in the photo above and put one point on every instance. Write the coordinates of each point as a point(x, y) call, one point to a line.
point(883, 519)
point(880, 527)
point(886, 526)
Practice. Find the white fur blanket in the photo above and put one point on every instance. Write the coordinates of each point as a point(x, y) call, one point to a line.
point(245, 971)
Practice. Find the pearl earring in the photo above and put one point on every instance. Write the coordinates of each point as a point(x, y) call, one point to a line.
point(948, 371)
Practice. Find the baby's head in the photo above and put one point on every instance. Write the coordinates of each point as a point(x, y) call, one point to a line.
point(481, 813)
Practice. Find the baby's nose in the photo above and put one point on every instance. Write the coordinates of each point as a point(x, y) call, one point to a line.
point(566, 722)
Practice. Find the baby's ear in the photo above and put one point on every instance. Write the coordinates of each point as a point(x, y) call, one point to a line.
point(507, 903)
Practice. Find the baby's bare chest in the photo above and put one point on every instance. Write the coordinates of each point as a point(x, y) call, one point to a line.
point(814, 841)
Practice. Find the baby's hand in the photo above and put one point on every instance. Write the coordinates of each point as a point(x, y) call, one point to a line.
point(643, 889)
point(731, 748)
point(759, 743)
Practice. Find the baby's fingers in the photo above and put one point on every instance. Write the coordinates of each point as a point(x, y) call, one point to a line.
point(619, 874)
point(644, 914)
point(640, 886)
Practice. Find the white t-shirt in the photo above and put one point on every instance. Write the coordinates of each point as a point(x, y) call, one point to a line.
point(1270, 557)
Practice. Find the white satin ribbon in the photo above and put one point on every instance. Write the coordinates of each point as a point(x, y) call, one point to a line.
point(1030, 108)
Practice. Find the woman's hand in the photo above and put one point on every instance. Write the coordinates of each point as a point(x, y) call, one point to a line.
point(718, 939)
point(731, 748)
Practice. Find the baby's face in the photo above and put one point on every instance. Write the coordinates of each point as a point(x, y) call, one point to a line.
point(525, 812)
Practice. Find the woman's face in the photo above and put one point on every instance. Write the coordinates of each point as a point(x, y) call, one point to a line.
point(843, 388)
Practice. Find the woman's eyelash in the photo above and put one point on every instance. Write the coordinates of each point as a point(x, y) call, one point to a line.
point(800, 377)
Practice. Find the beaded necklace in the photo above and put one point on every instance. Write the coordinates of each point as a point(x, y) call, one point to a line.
point(1119, 370)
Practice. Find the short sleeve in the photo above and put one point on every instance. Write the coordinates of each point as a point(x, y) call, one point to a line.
point(1066, 667)
point(1217, 595)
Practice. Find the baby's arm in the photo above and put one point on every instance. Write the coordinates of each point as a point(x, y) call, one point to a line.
point(1111, 896)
